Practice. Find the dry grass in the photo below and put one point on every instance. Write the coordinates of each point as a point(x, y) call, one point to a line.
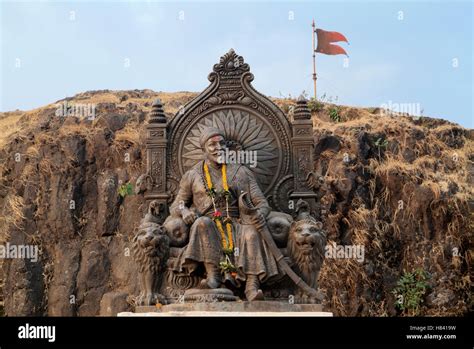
point(108, 97)
point(12, 215)
point(8, 126)
point(433, 184)
point(33, 152)
point(74, 129)
point(394, 166)
point(127, 141)
point(129, 134)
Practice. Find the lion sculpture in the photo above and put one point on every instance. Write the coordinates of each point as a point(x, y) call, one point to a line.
point(306, 247)
point(151, 251)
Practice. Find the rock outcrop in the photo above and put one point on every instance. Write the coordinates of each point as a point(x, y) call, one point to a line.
point(398, 186)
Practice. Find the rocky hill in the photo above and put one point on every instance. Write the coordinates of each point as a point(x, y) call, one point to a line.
point(400, 186)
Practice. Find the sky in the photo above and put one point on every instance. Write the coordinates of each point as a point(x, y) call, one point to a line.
point(417, 54)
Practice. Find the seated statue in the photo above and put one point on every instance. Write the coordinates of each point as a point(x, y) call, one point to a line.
point(205, 213)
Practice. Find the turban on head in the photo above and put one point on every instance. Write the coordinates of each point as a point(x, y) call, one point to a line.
point(207, 133)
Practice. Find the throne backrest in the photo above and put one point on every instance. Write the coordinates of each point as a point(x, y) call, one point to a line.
point(250, 121)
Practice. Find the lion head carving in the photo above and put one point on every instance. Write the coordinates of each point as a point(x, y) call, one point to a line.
point(150, 251)
point(150, 247)
point(306, 245)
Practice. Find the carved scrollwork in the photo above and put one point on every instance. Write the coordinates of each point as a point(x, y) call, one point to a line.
point(282, 192)
point(303, 131)
point(231, 64)
point(181, 281)
point(157, 133)
point(156, 171)
point(304, 166)
point(228, 98)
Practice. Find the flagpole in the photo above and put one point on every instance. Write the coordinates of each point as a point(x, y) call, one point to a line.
point(314, 61)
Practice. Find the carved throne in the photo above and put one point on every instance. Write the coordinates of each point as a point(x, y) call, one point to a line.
point(250, 121)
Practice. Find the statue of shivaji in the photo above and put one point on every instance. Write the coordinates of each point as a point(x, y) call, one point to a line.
point(207, 202)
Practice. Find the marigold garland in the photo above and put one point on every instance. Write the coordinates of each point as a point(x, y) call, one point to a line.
point(227, 241)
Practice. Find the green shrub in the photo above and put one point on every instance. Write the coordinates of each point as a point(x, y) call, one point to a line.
point(314, 105)
point(410, 291)
point(334, 114)
point(381, 143)
point(125, 189)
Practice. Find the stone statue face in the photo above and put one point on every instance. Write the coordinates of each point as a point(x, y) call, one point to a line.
point(150, 236)
point(305, 236)
point(214, 149)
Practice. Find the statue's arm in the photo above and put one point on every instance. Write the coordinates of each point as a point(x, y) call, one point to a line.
point(256, 194)
point(184, 197)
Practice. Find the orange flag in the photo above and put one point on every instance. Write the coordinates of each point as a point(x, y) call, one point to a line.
point(324, 42)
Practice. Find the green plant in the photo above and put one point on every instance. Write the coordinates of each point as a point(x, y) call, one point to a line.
point(227, 266)
point(334, 114)
point(410, 291)
point(315, 105)
point(125, 189)
point(381, 143)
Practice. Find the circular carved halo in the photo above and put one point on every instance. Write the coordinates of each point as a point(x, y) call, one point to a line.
point(244, 130)
point(282, 192)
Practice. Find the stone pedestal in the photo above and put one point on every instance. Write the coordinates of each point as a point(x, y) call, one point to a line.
point(256, 308)
point(196, 295)
point(227, 314)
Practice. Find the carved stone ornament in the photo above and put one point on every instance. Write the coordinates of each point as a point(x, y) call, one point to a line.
point(250, 121)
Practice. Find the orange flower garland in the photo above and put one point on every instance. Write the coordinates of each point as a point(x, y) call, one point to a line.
point(227, 241)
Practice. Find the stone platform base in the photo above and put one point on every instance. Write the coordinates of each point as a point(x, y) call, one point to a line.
point(256, 308)
point(228, 314)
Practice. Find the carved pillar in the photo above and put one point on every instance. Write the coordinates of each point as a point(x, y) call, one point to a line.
point(302, 147)
point(156, 140)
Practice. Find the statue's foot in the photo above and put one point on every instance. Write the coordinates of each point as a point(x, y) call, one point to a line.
point(211, 282)
point(252, 290)
point(230, 282)
point(213, 279)
point(254, 295)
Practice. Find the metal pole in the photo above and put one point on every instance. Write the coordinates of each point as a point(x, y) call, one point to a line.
point(314, 61)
